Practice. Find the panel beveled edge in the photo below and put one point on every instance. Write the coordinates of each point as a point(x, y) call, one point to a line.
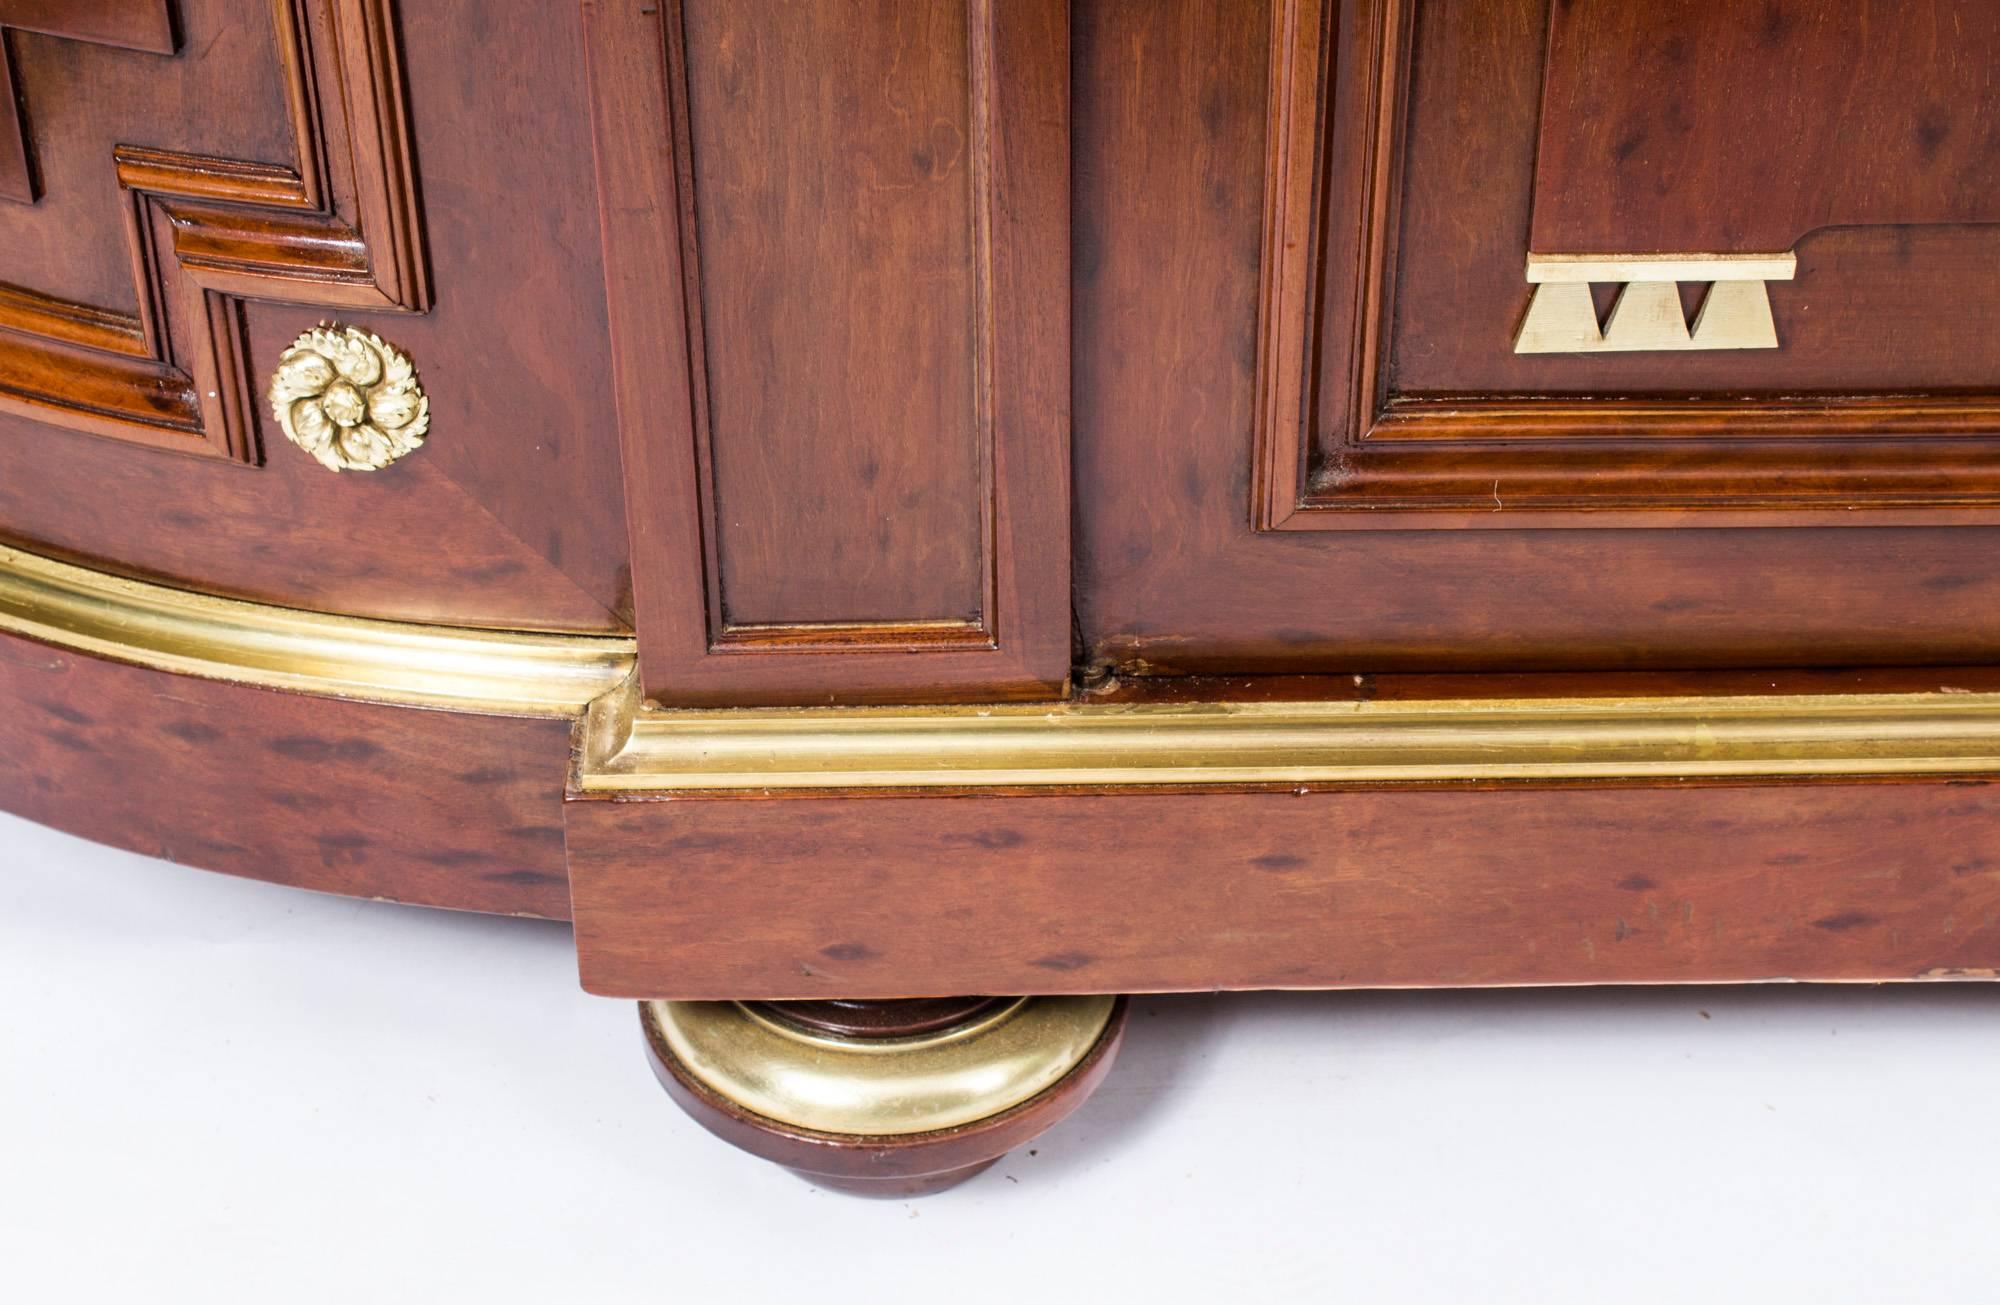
point(357, 658)
point(895, 636)
point(1087, 745)
point(1507, 461)
point(1019, 648)
point(341, 229)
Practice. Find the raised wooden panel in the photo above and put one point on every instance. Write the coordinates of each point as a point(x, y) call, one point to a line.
point(17, 178)
point(1391, 395)
point(134, 24)
point(1865, 113)
point(1173, 114)
point(338, 229)
point(511, 514)
point(840, 269)
point(839, 315)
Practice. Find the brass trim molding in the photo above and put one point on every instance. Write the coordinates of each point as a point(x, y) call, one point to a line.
point(626, 749)
point(881, 1087)
point(1096, 745)
point(167, 629)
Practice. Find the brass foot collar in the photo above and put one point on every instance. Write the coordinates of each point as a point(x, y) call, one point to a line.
point(828, 1095)
point(753, 1057)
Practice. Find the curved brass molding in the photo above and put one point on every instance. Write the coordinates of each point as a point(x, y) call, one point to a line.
point(1095, 745)
point(1087, 744)
point(881, 1087)
point(189, 633)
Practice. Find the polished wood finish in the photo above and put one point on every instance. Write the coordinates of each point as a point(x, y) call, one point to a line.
point(17, 178)
point(432, 807)
point(1741, 106)
point(338, 229)
point(841, 360)
point(914, 1164)
point(840, 271)
point(798, 897)
point(1409, 517)
point(1373, 447)
point(132, 24)
point(1861, 318)
point(862, 352)
point(510, 516)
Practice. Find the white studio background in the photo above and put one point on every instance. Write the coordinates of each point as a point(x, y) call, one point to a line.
point(219, 1091)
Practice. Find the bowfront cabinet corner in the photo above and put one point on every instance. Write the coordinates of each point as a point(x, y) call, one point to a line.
point(906, 521)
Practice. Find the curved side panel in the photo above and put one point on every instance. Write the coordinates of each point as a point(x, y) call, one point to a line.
point(436, 808)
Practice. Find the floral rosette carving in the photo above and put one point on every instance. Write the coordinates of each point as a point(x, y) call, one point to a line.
point(349, 399)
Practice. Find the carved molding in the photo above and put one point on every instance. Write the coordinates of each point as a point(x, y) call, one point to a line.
point(694, 655)
point(1336, 448)
point(340, 230)
point(1329, 209)
point(132, 24)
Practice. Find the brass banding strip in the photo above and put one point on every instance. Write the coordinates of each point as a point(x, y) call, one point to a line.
point(168, 629)
point(1080, 744)
point(1457, 741)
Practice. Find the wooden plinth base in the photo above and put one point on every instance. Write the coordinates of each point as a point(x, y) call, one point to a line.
point(877, 1066)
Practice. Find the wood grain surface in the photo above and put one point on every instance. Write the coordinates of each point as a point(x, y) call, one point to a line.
point(1390, 395)
point(1093, 892)
point(841, 355)
point(1697, 126)
point(883, 352)
point(131, 24)
point(841, 276)
point(1448, 471)
point(337, 227)
point(511, 514)
point(432, 807)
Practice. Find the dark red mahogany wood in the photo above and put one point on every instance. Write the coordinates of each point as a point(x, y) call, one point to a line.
point(1409, 518)
point(133, 24)
point(202, 208)
point(433, 807)
point(1133, 891)
point(840, 330)
point(920, 351)
point(1912, 101)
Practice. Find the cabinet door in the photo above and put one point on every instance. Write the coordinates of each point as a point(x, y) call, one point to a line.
point(836, 237)
point(189, 186)
point(1510, 333)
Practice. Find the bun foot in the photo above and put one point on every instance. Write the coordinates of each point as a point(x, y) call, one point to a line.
point(882, 1098)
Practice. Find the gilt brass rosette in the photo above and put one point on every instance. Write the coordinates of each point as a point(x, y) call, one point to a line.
point(349, 399)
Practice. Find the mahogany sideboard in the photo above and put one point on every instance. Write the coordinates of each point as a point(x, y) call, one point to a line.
point(857, 503)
